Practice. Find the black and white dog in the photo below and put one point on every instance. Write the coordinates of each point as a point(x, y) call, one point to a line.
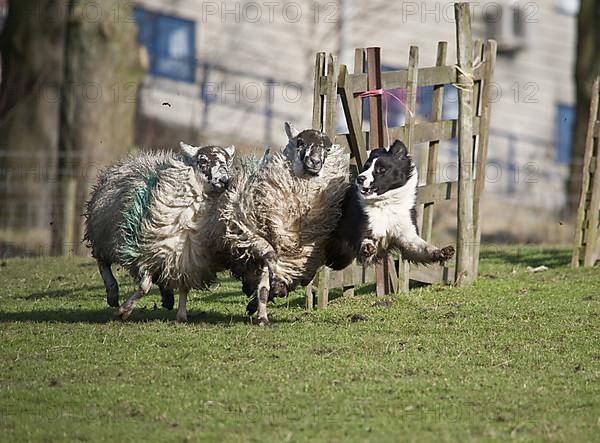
point(388, 185)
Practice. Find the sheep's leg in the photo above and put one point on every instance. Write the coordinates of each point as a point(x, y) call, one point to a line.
point(263, 297)
point(249, 286)
point(277, 287)
point(167, 296)
point(112, 287)
point(252, 306)
point(127, 307)
point(181, 311)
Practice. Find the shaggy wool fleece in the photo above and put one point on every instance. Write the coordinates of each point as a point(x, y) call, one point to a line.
point(270, 210)
point(155, 216)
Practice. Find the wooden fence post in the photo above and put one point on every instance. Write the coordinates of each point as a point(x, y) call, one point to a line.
point(410, 119)
point(323, 275)
point(482, 147)
point(376, 141)
point(317, 123)
point(437, 101)
point(465, 236)
point(586, 227)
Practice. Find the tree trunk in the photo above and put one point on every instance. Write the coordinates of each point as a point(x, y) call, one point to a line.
point(586, 69)
point(31, 46)
point(102, 72)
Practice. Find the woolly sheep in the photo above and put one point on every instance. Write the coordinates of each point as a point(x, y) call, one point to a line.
point(156, 214)
point(279, 216)
point(306, 154)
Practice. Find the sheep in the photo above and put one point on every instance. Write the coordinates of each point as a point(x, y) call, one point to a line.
point(305, 152)
point(156, 214)
point(279, 216)
point(305, 155)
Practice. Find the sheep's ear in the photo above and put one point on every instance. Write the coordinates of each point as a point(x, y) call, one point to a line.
point(265, 158)
point(230, 150)
point(398, 149)
point(188, 150)
point(290, 130)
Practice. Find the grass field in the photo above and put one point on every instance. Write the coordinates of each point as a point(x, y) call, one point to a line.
point(515, 356)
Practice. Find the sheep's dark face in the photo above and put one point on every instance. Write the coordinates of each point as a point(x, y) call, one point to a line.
point(313, 147)
point(212, 164)
point(307, 150)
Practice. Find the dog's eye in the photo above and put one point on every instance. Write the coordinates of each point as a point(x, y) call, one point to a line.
point(380, 170)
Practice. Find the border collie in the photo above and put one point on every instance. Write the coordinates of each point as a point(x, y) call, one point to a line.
point(388, 185)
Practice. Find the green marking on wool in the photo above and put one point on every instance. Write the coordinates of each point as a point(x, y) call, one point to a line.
point(131, 227)
point(252, 164)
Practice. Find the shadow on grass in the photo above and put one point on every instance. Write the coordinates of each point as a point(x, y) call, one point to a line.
point(528, 255)
point(66, 292)
point(232, 296)
point(299, 300)
point(99, 316)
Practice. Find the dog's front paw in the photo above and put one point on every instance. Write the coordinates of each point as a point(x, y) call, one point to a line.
point(445, 254)
point(368, 249)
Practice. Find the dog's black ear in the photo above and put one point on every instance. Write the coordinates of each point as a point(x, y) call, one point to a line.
point(398, 149)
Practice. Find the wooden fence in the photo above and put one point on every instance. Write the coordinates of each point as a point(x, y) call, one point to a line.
point(471, 75)
point(586, 248)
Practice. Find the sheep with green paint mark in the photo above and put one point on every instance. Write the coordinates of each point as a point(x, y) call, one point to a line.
point(280, 215)
point(157, 215)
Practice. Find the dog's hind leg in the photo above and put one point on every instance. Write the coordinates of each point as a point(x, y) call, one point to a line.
point(110, 283)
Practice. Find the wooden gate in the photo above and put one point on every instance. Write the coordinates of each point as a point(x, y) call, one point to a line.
point(472, 76)
point(586, 247)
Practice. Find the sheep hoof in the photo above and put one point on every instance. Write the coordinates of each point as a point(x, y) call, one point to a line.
point(181, 318)
point(125, 310)
point(263, 321)
point(112, 299)
point(252, 306)
point(124, 314)
point(168, 301)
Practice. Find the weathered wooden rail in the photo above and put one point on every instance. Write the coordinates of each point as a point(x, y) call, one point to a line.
point(471, 74)
point(586, 249)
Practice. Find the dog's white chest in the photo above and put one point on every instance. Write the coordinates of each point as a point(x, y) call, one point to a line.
point(390, 214)
point(381, 220)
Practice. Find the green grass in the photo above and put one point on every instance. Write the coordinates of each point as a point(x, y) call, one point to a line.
point(515, 356)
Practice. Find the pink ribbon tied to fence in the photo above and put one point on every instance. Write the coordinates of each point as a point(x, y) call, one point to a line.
point(385, 94)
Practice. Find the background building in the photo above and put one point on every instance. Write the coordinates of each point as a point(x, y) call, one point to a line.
point(237, 69)
point(232, 71)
